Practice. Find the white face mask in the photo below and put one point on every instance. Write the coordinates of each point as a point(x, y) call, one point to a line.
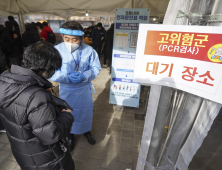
point(99, 28)
point(71, 47)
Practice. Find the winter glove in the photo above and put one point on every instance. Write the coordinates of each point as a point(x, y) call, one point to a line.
point(76, 77)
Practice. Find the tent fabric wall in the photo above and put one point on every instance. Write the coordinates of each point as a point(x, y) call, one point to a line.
point(56, 7)
point(52, 7)
point(137, 3)
point(5, 14)
point(9, 6)
point(158, 7)
point(98, 5)
point(94, 7)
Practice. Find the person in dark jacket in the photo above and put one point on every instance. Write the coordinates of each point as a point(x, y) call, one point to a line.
point(2, 62)
point(46, 29)
point(104, 52)
point(15, 24)
point(39, 26)
point(31, 35)
point(12, 46)
point(36, 124)
point(109, 47)
point(98, 38)
point(89, 29)
point(2, 30)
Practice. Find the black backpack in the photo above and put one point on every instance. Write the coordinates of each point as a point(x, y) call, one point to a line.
point(51, 38)
point(6, 47)
point(26, 39)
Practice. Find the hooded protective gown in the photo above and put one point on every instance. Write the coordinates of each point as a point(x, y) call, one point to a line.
point(78, 96)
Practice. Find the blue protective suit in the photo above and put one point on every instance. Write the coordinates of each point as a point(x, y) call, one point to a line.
point(78, 96)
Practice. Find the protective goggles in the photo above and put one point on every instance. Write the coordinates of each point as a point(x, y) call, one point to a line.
point(71, 32)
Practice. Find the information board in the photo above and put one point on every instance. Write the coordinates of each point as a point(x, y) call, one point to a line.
point(183, 57)
point(123, 90)
point(55, 26)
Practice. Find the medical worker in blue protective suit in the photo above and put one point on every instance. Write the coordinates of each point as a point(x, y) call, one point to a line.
point(80, 65)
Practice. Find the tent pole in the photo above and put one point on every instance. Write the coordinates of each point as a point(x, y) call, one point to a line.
point(172, 11)
point(149, 124)
point(217, 10)
point(175, 114)
point(21, 22)
point(137, 3)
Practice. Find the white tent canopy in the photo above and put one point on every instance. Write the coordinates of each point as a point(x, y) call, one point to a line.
point(79, 7)
point(8, 7)
point(68, 8)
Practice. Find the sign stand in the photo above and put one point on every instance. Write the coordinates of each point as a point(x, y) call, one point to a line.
point(123, 91)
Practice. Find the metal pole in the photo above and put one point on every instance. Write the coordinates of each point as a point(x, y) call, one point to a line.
point(163, 109)
point(21, 22)
point(185, 7)
point(170, 128)
point(173, 108)
point(217, 9)
point(172, 11)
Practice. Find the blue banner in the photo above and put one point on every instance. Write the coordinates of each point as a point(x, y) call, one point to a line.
point(123, 80)
point(124, 56)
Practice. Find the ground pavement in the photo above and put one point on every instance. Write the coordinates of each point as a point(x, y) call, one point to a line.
point(117, 133)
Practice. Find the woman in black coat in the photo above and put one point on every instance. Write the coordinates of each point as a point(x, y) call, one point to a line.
point(36, 122)
point(109, 47)
point(12, 46)
point(31, 35)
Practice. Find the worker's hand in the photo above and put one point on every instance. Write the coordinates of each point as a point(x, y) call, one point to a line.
point(69, 111)
point(76, 77)
point(102, 38)
point(15, 35)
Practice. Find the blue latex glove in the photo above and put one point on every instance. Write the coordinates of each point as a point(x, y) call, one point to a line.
point(76, 77)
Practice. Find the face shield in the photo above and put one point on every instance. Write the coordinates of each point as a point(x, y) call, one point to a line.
point(71, 45)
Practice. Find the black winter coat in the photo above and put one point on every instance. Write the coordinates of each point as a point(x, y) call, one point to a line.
point(12, 47)
point(2, 30)
point(97, 36)
point(2, 62)
point(30, 36)
point(109, 47)
point(34, 126)
point(16, 26)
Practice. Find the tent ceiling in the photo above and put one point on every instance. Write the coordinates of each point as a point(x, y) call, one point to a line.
point(79, 7)
point(8, 7)
point(158, 7)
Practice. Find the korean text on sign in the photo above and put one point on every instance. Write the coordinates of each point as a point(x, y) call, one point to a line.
point(185, 39)
point(188, 74)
